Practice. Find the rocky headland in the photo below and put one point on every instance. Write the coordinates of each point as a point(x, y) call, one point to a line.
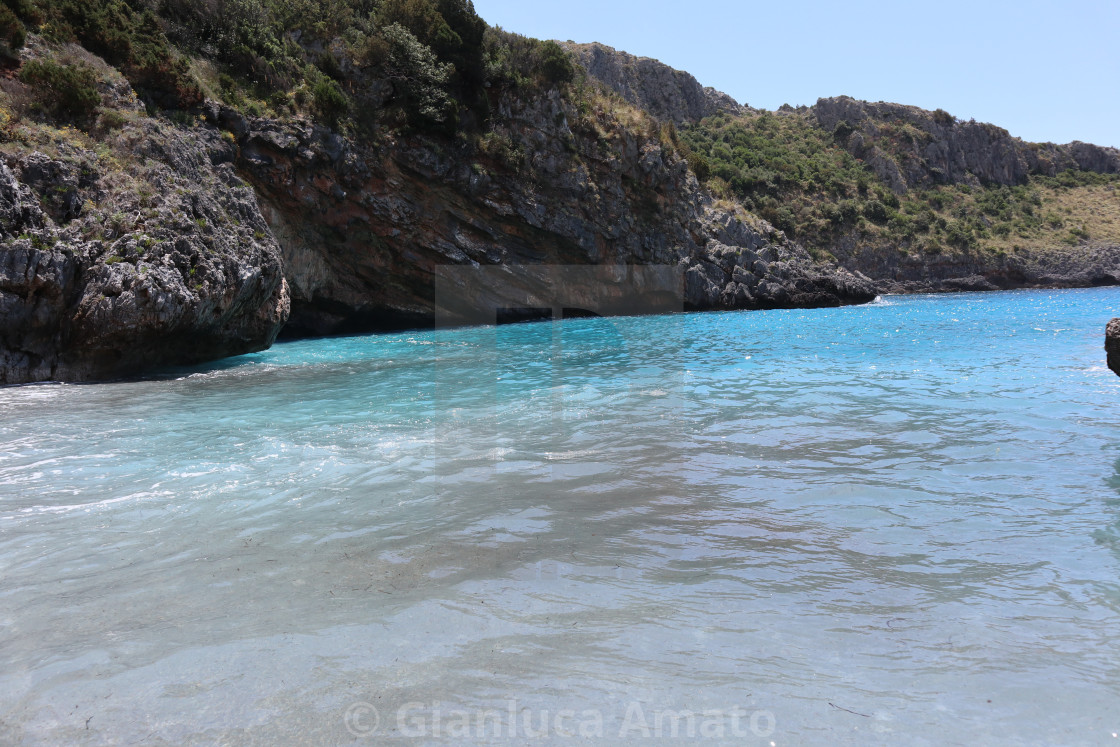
point(362, 226)
point(201, 224)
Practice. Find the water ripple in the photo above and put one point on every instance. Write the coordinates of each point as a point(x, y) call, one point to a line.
point(909, 509)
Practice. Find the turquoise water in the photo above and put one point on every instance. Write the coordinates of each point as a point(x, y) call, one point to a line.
point(897, 523)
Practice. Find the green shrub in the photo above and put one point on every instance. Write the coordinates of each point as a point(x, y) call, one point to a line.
point(111, 119)
point(843, 131)
point(556, 66)
point(700, 166)
point(64, 90)
point(330, 101)
point(960, 235)
point(130, 38)
point(12, 35)
point(943, 118)
point(876, 212)
point(518, 61)
point(418, 77)
point(450, 28)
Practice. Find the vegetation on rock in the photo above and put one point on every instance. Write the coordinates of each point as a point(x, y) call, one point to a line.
point(791, 172)
point(63, 90)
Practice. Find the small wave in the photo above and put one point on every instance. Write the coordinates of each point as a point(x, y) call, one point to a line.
point(94, 504)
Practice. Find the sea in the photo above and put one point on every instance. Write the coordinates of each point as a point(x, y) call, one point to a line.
point(896, 523)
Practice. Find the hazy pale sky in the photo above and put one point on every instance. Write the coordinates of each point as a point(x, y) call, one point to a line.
point(1046, 71)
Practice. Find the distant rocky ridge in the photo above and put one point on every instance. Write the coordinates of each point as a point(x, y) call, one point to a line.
point(1096, 264)
point(912, 148)
point(931, 148)
point(667, 94)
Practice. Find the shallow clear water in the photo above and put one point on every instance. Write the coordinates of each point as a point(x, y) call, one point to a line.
point(890, 523)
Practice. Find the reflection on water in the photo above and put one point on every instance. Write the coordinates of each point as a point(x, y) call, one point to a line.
point(879, 523)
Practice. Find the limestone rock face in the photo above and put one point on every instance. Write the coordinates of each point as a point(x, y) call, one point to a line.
point(363, 226)
point(106, 272)
point(1084, 266)
point(1112, 345)
point(933, 147)
point(669, 95)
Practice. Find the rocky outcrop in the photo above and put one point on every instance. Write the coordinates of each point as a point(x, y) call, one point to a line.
point(364, 226)
point(667, 94)
point(1093, 264)
point(1112, 345)
point(107, 272)
point(911, 147)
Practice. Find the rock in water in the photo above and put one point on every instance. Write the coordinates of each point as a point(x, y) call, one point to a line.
point(1112, 345)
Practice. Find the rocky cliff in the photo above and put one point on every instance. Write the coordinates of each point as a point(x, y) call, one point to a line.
point(142, 246)
point(913, 152)
point(362, 226)
point(108, 271)
point(667, 94)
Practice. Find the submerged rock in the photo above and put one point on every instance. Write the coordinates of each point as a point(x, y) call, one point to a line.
point(1112, 345)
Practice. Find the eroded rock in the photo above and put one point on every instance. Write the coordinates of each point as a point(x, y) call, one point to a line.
point(668, 94)
point(1112, 345)
point(106, 274)
point(364, 226)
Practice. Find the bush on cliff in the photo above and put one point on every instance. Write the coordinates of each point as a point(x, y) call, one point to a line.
point(12, 35)
point(450, 28)
point(63, 90)
point(556, 66)
point(330, 101)
point(128, 38)
point(417, 76)
point(522, 62)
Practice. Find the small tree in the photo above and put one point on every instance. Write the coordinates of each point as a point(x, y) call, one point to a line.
point(700, 166)
point(418, 78)
point(943, 118)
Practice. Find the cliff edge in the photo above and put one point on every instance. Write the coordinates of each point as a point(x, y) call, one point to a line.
point(668, 94)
